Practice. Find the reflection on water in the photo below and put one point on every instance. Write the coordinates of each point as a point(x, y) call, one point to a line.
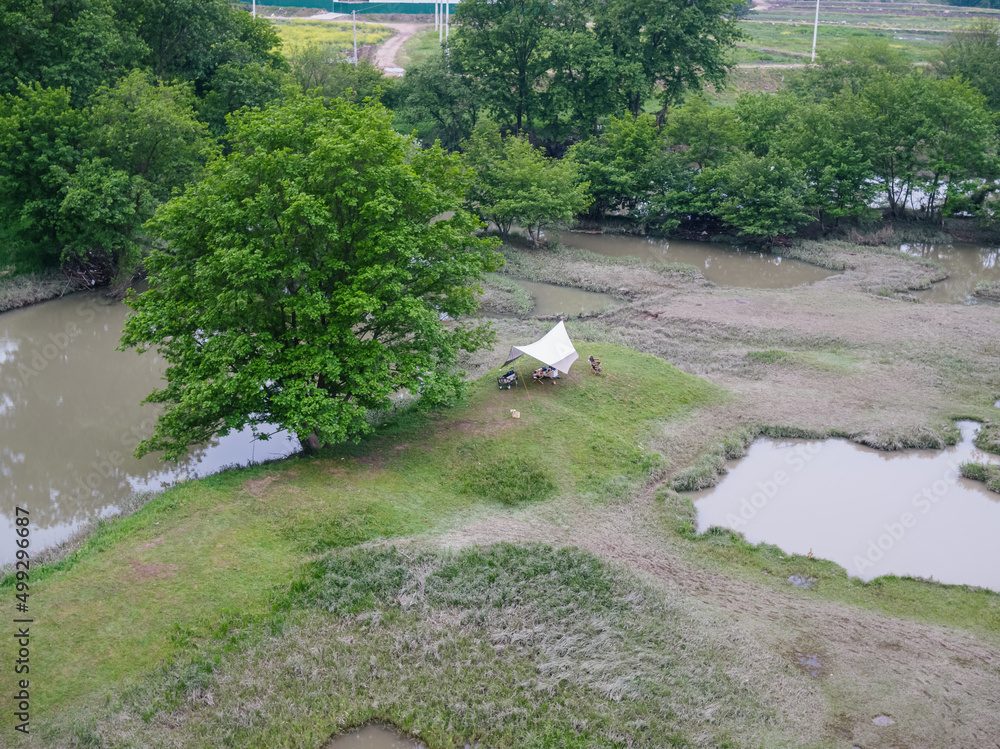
point(373, 737)
point(552, 299)
point(70, 419)
point(722, 264)
point(967, 265)
point(874, 513)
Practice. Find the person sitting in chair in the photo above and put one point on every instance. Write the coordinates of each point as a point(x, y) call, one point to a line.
point(595, 365)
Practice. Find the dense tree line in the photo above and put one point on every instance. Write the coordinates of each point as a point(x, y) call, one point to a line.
point(108, 106)
point(847, 136)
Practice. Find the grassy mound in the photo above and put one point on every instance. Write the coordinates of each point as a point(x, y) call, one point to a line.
point(503, 646)
point(145, 588)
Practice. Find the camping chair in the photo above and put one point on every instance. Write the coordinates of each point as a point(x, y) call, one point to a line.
point(545, 372)
point(595, 365)
point(505, 381)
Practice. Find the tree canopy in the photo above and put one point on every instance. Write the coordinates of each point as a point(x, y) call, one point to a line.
point(303, 280)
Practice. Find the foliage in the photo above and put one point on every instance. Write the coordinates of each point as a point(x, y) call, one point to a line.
point(322, 68)
point(503, 43)
point(515, 183)
point(761, 196)
point(436, 104)
point(74, 44)
point(41, 142)
point(664, 48)
point(150, 131)
point(192, 39)
point(708, 134)
point(974, 55)
point(605, 58)
point(619, 164)
point(304, 281)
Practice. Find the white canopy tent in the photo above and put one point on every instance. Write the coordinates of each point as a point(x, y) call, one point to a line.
point(554, 349)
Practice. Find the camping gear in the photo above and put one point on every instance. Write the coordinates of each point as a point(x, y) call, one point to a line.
point(595, 365)
point(554, 349)
point(545, 372)
point(506, 380)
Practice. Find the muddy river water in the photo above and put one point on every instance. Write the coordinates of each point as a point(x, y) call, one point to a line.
point(70, 419)
point(874, 513)
point(966, 264)
point(552, 299)
point(722, 264)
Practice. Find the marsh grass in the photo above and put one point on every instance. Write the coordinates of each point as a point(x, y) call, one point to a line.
point(504, 645)
point(988, 290)
point(985, 472)
point(30, 288)
point(505, 296)
point(988, 437)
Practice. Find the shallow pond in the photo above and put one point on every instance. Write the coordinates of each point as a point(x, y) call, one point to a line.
point(70, 419)
point(552, 299)
point(373, 737)
point(874, 513)
point(722, 264)
point(967, 265)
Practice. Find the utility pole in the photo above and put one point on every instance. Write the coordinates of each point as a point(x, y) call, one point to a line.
point(440, 24)
point(447, 17)
point(437, 15)
point(815, 31)
point(254, 6)
point(354, 19)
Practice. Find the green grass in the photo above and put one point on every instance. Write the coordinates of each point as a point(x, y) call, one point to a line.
point(506, 646)
point(950, 605)
point(419, 47)
point(297, 34)
point(793, 43)
point(987, 473)
point(988, 437)
point(145, 587)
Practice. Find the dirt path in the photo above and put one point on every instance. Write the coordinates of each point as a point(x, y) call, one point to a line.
point(385, 54)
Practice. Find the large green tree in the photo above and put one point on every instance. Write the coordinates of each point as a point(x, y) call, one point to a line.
point(41, 142)
point(974, 54)
point(664, 48)
point(515, 183)
point(303, 281)
point(505, 44)
point(77, 44)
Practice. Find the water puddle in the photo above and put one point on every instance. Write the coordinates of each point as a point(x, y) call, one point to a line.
point(373, 737)
point(70, 419)
point(810, 663)
point(967, 265)
point(722, 264)
point(875, 513)
point(552, 299)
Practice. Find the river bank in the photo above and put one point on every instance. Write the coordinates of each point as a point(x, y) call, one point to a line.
point(25, 290)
